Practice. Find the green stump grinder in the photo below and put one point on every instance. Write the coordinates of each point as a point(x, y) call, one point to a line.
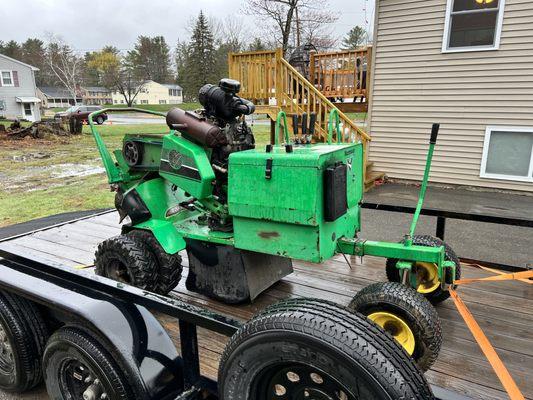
point(243, 213)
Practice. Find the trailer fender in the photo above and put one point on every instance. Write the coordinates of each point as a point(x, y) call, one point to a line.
point(137, 341)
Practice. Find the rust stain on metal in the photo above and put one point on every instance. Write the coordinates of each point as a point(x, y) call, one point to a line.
point(269, 235)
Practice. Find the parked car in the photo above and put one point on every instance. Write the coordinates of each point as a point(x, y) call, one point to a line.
point(81, 113)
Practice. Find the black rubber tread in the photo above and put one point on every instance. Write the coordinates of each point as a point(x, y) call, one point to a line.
point(413, 308)
point(341, 330)
point(99, 120)
point(439, 295)
point(74, 338)
point(141, 264)
point(29, 334)
point(169, 266)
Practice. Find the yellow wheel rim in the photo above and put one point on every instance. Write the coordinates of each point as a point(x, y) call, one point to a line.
point(397, 328)
point(428, 277)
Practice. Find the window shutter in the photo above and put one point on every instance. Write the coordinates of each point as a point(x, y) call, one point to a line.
point(16, 78)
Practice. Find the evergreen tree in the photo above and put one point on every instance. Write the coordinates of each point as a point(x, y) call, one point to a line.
point(355, 38)
point(150, 59)
point(257, 45)
point(200, 65)
point(12, 49)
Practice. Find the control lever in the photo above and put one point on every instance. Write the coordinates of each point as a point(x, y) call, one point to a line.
point(295, 128)
point(312, 123)
point(304, 126)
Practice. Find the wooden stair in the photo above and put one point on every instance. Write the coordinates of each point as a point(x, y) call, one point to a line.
point(273, 84)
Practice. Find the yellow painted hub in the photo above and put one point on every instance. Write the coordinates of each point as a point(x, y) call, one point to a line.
point(428, 277)
point(397, 328)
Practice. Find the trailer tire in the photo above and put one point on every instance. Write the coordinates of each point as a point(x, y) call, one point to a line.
point(75, 363)
point(437, 295)
point(309, 347)
point(406, 315)
point(126, 260)
point(23, 335)
point(169, 267)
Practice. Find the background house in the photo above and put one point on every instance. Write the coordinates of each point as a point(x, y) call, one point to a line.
point(18, 96)
point(154, 93)
point(96, 96)
point(57, 97)
point(467, 65)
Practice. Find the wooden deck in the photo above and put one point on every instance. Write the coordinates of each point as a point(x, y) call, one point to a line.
point(504, 310)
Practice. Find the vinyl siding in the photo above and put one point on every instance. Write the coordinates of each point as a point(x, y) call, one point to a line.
point(26, 88)
point(415, 84)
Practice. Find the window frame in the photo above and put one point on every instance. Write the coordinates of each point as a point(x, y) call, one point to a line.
point(2, 78)
point(483, 170)
point(448, 27)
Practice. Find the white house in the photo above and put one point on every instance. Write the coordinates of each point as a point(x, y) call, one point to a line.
point(154, 93)
point(18, 93)
point(466, 64)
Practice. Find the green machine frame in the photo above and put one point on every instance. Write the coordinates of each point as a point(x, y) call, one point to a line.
point(171, 231)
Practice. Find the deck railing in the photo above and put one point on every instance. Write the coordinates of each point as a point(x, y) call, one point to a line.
point(269, 80)
point(342, 74)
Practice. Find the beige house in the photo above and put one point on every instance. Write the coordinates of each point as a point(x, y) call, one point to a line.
point(466, 64)
point(154, 93)
point(96, 95)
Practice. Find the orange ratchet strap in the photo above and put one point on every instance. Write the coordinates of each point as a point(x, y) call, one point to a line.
point(497, 365)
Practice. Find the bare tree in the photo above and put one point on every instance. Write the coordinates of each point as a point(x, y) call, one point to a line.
point(290, 16)
point(126, 82)
point(65, 64)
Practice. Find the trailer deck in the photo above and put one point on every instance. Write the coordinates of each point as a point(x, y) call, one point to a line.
point(503, 309)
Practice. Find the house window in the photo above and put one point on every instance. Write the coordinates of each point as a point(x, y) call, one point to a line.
point(144, 101)
point(27, 110)
point(473, 25)
point(508, 153)
point(7, 78)
point(162, 102)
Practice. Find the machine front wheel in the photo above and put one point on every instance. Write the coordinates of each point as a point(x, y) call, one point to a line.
point(126, 260)
point(317, 350)
point(427, 273)
point(406, 315)
point(169, 266)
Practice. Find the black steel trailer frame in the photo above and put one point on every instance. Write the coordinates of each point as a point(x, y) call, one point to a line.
point(13, 267)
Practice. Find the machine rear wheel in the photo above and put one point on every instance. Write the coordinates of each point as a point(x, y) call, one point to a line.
point(76, 366)
point(316, 350)
point(169, 266)
point(427, 273)
point(406, 315)
point(126, 260)
point(22, 339)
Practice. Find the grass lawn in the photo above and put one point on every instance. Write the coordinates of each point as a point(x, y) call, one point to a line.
point(44, 177)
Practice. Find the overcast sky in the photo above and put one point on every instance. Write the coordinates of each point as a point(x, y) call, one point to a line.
point(91, 24)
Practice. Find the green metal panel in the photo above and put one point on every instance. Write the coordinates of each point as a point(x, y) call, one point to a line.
point(284, 215)
point(187, 165)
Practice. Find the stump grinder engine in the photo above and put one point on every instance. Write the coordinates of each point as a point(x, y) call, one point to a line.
point(241, 213)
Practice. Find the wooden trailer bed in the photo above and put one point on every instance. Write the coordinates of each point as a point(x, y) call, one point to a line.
point(504, 310)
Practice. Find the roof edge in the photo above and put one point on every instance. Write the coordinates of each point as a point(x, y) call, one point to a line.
point(20, 62)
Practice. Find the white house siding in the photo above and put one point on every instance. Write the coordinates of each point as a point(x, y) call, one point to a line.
point(415, 84)
point(26, 88)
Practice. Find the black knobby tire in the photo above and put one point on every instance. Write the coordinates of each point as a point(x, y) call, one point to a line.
point(342, 347)
point(438, 295)
point(25, 334)
point(413, 308)
point(169, 267)
point(126, 260)
point(71, 351)
point(99, 120)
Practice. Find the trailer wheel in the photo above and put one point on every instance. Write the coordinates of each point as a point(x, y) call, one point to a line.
point(427, 273)
point(22, 339)
point(126, 260)
point(406, 315)
point(76, 366)
point(169, 266)
point(317, 350)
